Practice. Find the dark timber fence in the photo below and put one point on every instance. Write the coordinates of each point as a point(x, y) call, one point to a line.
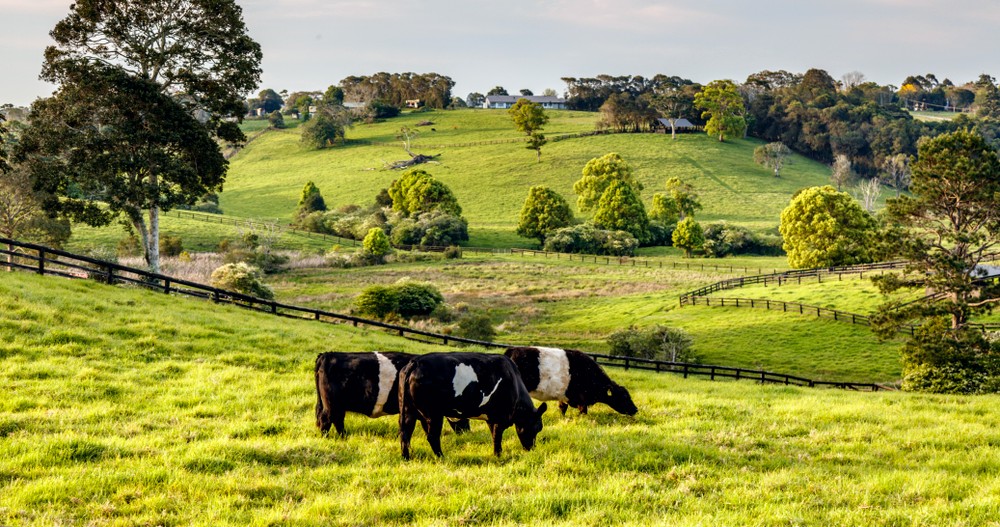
point(48, 261)
point(792, 276)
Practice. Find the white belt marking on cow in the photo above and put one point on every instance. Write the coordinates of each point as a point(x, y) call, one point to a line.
point(553, 375)
point(464, 376)
point(386, 376)
point(487, 398)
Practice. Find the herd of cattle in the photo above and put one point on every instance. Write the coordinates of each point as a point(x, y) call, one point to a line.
point(460, 386)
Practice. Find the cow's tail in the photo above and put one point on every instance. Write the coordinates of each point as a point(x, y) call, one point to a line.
point(322, 405)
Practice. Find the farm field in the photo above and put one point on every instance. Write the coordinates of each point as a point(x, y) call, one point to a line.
point(126, 407)
point(491, 181)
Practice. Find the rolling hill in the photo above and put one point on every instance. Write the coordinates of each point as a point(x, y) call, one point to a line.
point(492, 180)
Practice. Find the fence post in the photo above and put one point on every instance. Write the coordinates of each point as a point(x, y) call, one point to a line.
point(41, 261)
point(109, 275)
point(166, 286)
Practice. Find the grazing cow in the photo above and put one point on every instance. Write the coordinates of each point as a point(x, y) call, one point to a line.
point(571, 377)
point(364, 383)
point(465, 386)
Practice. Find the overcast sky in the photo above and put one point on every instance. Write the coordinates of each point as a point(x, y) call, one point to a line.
point(311, 44)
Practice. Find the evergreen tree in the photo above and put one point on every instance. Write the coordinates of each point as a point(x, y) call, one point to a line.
point(620, 209)
point(543, 212)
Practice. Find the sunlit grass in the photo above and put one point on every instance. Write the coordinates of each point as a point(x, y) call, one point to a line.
point(124, 407)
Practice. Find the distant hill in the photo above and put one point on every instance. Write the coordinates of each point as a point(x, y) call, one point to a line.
point(492, 180)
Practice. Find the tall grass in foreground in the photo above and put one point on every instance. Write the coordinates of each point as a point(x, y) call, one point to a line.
point(124, 407)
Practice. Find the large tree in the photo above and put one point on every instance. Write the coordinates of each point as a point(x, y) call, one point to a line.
point(822, 227)
point(598, 174)
point(544, 211)
point(529, 117)
point(145, 87)
point(680, 201)
point(417, 191)
point(620, 209)
point(949, 228)
point(722, 104)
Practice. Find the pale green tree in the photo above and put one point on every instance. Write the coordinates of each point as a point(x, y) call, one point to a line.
point(620, 209)
point(544, 211)
point(722, 105)
point(688, 236)
point(598, 174)
point(679, 202)
point(823, 227)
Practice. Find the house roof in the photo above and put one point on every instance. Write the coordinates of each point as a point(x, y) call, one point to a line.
point(679, 123)
point(511, 99)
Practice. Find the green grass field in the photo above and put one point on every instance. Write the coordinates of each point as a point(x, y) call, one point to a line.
point(491, 181)
point(126, 407)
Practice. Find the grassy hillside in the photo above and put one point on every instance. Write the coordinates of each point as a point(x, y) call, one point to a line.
point(557, 302)
point(125, 407)
point(491, 181)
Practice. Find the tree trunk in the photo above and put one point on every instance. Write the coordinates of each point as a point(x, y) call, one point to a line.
point(673, 129)
point(153, 251)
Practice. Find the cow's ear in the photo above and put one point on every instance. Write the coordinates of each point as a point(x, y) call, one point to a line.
point(541, 409)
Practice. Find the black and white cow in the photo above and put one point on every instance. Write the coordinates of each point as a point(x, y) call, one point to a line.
point(571, 377)
point(364, 383)
point(436, 386)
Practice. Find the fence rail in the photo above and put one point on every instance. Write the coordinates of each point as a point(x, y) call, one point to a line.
point(795, 275)
point(48, 261)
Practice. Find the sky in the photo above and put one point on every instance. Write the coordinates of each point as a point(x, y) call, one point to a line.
point(312, 44)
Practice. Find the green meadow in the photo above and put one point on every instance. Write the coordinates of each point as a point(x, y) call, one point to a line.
point(127, 407)
point(492, 180)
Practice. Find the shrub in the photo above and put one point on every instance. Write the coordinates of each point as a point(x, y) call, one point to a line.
point(476, 326)
point(688, 236)
point(376, 245)
point(453, 252)
point(129, 246)
point(416, 299)
point(377, 301)
point(657, 342)
point(241, 278)
point(170, 245)
point(587, 239)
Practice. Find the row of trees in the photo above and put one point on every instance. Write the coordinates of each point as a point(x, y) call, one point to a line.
point(397, 88)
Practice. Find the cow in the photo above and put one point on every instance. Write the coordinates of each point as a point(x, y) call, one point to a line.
point(571, 377)
point(465, 386)
point(364, 383)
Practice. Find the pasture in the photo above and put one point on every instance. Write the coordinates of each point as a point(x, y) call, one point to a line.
point(126, 407)
point(492, 180)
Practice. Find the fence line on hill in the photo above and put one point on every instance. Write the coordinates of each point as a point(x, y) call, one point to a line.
point(794, 275)
point(48, 261)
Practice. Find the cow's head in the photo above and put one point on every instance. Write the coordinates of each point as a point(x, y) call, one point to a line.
point(620, 401)
point(529, 425)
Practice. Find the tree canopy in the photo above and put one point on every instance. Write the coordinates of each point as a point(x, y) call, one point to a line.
point(145, 88)
point(947, 229)
point(598, 174)
point(772, 155)
point(417, 191)
point(722, 104)
point(544, 211)
point(822, 227)
point(680, 201)
point(529, 117)
point(620, 209)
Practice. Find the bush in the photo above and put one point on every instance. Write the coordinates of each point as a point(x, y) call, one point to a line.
point(376, 245)
point(377, 301)
point(241, 278)
point(586, 239)
point(657, 342)
point(405, 299)
point(170, 245)
point(129, 246)
point(453, 252)
point(417, 299)
point(723, 239)
point(475, 326)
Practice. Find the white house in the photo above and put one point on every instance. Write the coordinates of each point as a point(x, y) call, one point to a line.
point(506, 101)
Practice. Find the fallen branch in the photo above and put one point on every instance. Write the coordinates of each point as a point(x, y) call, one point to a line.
point(415, 160)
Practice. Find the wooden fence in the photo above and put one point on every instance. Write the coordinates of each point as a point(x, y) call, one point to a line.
point(48, 261)
point(792, 276)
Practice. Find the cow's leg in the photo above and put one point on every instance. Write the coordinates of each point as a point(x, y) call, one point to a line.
point(497, 438)
point(407, 423)
point(459, 425)
point(563, 406)
point(337, 416)
point(433, 429)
